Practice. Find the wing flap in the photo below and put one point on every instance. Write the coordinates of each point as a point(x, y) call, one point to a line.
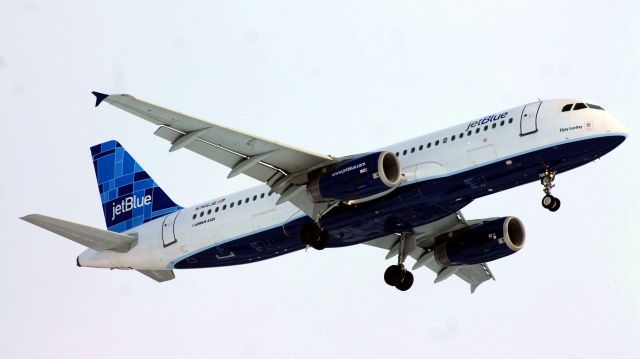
point(94, 238)
point(261, 172)
point(475, 274)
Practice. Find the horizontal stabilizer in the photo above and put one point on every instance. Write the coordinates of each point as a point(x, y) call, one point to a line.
point(159, 275)
point(94, 238)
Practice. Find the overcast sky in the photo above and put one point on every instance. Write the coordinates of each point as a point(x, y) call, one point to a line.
point(335, 77)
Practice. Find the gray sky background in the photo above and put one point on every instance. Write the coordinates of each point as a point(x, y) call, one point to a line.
point(334, 77)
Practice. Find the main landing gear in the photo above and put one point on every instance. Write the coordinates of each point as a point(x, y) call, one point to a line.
point(397, 275)
point(548, 201)
point(314, 236)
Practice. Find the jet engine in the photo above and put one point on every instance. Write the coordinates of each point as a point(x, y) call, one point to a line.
point(482, 242)
point(358, 178)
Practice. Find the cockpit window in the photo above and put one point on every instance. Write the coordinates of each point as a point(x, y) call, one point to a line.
point(580, 106)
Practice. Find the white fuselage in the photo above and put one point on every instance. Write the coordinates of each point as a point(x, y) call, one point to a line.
point(164, 241)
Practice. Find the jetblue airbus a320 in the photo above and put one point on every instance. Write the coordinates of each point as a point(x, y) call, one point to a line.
point(405, 198)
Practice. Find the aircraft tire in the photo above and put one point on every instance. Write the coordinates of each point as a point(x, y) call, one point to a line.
point(406, 283)
point(393, 275)
point(555, 206)
point(321, 242)
point(547, 201)
point(310, 234)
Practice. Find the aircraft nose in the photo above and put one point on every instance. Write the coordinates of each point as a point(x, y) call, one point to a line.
point(616, 126)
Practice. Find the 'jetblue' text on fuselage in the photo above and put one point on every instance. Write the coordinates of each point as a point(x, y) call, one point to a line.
point(487, 119)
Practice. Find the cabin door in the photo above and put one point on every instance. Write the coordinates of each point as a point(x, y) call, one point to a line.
point(529, 119)
point(168, 232)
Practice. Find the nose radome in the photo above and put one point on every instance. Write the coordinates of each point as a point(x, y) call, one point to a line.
point(616, 126)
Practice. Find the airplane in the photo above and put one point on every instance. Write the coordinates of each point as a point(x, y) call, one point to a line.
point(405, 198)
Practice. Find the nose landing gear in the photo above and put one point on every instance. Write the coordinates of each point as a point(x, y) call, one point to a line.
point(548, 201)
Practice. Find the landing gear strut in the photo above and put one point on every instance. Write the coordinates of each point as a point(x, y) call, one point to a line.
point(314, 236)
point(397, 275)
point(548, 201)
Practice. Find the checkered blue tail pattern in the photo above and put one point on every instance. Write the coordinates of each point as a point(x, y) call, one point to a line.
point(130, 197)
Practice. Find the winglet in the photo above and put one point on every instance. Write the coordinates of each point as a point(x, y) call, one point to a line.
point(99, 97)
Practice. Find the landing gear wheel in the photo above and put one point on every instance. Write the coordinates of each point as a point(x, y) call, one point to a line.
point(555, 206)
point(406, 282)
point(321, 242)
point(393, 275)
point(397, 275)
point(547, 201)
point(312, 235)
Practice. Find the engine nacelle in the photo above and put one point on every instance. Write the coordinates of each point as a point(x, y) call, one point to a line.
point(482, 242)
point(357, 178)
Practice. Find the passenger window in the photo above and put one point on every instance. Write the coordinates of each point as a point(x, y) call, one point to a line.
point(239, 202)
point(486, 127)
point(460, 135)
point(404, 153)
point(195, 215)
point(217, 209)
point(437, 142)
point(224, 207)
point(429, 145)
point(246, 200)
point(566, 108)
point(209, 211)
point(511, 120)
point(413, 149)
point(478, 130)
point(231, 205)
point(595, 106)
point(397, 154)
point(494, 125)
point(261, 195)
point(453, 138)
point(469, 133)
point(420, 148)
point(502, 123)
point(255, 197)
point(579, 106)
point(444, 140)
point(201, 213)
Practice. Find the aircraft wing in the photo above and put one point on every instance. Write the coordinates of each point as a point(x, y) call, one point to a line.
point(426, 238)
point(284, 168)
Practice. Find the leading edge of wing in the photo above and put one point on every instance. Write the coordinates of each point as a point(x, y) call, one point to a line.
point(153, 113)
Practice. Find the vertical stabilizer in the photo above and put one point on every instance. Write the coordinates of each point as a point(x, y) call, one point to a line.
point(130, 197)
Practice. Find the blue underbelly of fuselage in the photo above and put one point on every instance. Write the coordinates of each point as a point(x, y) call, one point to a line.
point(412, 205)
